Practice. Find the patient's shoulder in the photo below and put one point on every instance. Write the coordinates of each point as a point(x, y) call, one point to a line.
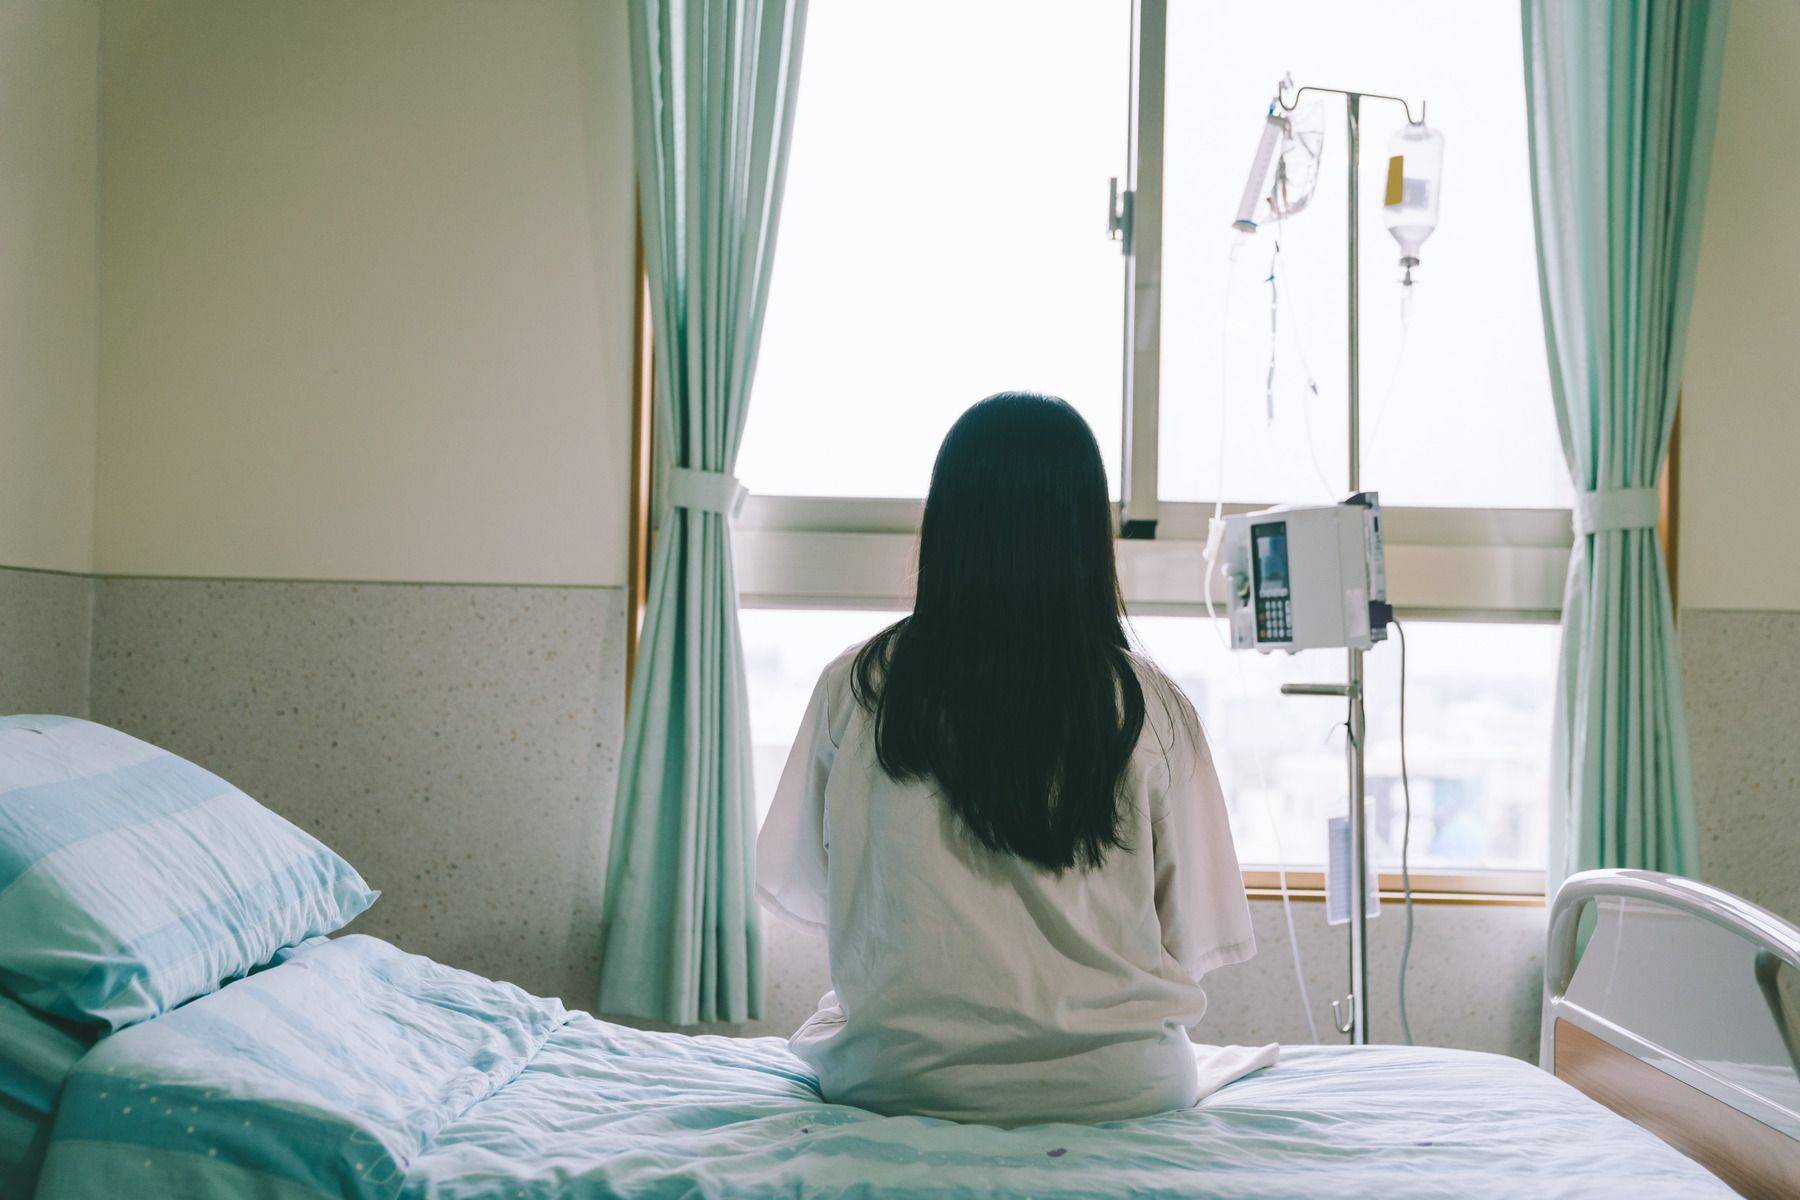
point(839, 676)
point(840, 668)
point(1171, 725)
point(837, 683)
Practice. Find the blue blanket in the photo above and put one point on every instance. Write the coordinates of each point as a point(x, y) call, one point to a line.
point(36, 1055)
point(355, 1070)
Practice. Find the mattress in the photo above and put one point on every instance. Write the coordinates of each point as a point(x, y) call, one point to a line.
point(353, 1069)
point(36, 1055)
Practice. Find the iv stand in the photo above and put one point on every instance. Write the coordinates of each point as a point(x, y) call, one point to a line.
point(1357, 1024)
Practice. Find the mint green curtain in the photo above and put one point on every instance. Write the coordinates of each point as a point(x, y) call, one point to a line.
point(1622, 99)
point(713, 90)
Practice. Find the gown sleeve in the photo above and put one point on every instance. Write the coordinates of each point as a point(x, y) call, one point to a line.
point(1200, 900)
point(790, 850)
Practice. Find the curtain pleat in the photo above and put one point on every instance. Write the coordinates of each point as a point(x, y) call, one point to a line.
point(1622, 99)
point(713, 91)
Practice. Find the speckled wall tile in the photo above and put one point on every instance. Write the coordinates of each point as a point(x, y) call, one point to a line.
point(44, 641)
point(458, 744)
point(1742, 674)
point(1473, 981)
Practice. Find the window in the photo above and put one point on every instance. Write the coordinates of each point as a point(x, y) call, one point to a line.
point(1478, 722)
point(1478, 719)
point(785, 651)
point(1456, 407)
point(949, 165)
point(973, 207)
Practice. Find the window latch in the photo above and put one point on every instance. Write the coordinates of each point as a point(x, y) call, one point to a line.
point(1118, 214)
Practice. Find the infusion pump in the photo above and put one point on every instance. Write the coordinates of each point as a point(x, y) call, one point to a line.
point(1306, 577)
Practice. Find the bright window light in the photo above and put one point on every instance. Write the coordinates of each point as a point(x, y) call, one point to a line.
point(1478, 731)
point(1478, 703)
point(943, 236)
point(785, 651)
point(1463, 417)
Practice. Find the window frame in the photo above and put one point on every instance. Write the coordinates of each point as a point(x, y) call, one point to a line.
point(1501, 565)
point(1498, 565)
point(1491, 565)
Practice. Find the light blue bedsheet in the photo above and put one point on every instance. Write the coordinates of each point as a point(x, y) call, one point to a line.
point(355, 1070)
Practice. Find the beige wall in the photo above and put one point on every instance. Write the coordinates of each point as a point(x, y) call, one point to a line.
point(356, 319)
point(1740, 424)
point(1740, 470)
point(48, 290)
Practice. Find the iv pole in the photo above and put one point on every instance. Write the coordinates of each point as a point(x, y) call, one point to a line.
point(1357, 1026)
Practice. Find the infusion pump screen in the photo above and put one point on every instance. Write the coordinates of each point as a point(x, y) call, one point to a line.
point(1271, 559)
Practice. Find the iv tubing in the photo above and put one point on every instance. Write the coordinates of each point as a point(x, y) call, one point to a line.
point(1287, 903)
point(1405, 841)
point(1212, 530)
point(1393, 387)
point(1312, 384)
point(1281, 873)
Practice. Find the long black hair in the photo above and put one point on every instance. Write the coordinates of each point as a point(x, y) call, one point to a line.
point(1011, 686)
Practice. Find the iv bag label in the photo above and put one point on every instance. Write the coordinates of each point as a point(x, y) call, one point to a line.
point(1395, 188)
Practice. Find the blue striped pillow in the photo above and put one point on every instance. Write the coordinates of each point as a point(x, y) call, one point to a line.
point(132, 880)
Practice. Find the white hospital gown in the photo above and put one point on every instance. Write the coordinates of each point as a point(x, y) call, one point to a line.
point(975, 986)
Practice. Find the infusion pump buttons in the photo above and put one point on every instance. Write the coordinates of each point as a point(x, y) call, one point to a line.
point(1273, 622)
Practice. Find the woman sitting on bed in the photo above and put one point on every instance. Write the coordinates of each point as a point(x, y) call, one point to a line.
point(1005, 822)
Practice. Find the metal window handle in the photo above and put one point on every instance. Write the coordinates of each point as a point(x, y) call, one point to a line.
point(1118, 214)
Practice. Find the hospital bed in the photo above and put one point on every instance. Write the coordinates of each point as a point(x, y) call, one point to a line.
point(1682, 1013)
point(343, 1067)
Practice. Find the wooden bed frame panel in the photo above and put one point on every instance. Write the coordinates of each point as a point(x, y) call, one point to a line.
point(1751, 1157)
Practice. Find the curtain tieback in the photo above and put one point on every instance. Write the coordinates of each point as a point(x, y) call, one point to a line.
point(706, 491)
point(1617, 508)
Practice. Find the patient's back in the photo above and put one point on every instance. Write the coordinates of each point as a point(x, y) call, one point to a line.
point(974, 985)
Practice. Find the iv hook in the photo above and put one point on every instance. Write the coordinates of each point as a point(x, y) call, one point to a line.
point(1281, 99)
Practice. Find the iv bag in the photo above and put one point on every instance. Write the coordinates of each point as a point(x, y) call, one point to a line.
point(1297, 171)
point(1285, 169)
point(1415, 177)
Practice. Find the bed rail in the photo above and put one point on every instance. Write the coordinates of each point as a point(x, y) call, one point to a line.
point(1745, 1136)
